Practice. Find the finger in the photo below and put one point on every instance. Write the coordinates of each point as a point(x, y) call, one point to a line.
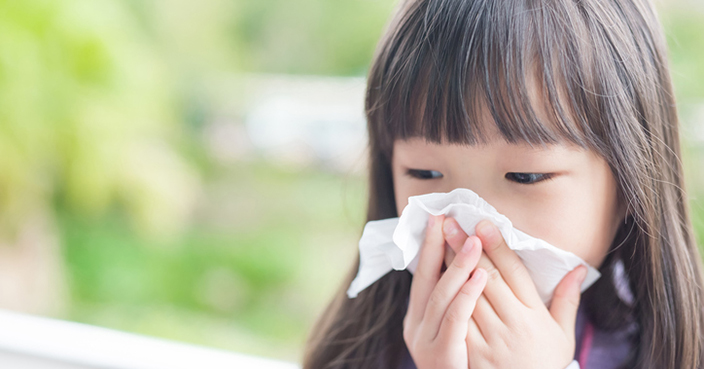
point(455, 322)
point(565, 300)
point(427, 273)
point(475, 339)
point(454, 235)
point(449, 286)
point(487, 319)
point(508, 263)
point(498, 293)
point(449, 255)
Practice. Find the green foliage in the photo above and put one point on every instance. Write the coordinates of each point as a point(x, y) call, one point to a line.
point(685, 36)
point(266, 266)
point(308, 36)
point(87, 116)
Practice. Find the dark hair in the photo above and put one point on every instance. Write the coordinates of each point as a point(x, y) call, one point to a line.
point(600, 73)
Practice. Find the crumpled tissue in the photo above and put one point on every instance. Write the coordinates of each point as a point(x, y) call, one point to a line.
point(394, 244)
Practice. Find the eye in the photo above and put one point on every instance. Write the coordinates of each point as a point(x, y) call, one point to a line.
point(528, 178)
point(424, 174)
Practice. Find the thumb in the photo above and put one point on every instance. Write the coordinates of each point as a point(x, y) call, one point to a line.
point(565, 300)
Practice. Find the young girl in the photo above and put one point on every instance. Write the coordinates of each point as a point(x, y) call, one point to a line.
point(560, 114)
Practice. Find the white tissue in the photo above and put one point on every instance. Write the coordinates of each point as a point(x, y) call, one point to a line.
point(393, 244)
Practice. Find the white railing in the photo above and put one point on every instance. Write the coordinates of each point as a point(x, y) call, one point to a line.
point(31, 342)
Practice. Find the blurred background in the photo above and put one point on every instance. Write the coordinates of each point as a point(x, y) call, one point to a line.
point(194, 170)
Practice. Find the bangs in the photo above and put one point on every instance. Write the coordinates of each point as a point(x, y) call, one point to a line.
point(447, 69)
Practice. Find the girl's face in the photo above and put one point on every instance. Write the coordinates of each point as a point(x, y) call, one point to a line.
point(564, 195)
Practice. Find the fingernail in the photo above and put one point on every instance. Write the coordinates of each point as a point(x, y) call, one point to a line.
point(431, 221)
point(449, 229)
point(486, 229)
point(468, 245)
point(582, 274)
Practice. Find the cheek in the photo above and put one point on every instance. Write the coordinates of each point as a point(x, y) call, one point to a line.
point(589, 243)
point(404, 188)
point(577, 224)
point(401, 191)
point(401, 195)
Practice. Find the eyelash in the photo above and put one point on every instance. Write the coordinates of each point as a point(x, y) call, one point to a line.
point(512, 176)
point(541, 177)
point(423, 174)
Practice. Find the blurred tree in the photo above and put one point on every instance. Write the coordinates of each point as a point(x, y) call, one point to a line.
point(86, 121)
point(308, 36)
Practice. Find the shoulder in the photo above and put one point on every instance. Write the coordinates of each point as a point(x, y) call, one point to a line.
point(597, 348)
point(601, 349)
point(406, 360)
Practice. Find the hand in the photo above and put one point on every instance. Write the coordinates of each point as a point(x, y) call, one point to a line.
point(440, 305)
point(510, 326)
